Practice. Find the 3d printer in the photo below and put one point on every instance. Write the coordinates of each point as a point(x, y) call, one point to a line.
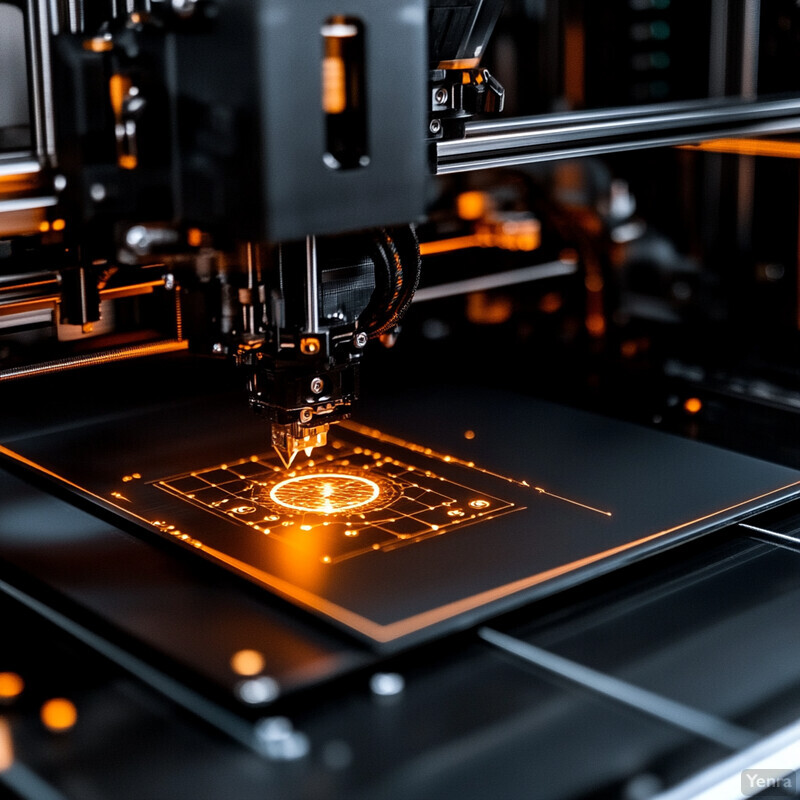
point(279, 187)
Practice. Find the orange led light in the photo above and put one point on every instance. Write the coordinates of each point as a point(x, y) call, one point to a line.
point(309, 345)
point(59, 224)
point(44, 226)
point(98, 44)
point(693, 405)
point(469, 434)
point(471, 205)
point(59, 715)
point(247, 662)
point(11, 685)
point(596, 324)
point(194, 237)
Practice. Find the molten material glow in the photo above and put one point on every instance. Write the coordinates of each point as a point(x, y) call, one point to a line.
point(329, 493)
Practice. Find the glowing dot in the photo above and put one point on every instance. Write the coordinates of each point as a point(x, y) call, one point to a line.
point(126, 478)
point(376, 547)
point(469, 434)
point(693, 405)
point(434, 527)
point(330, 493)
point(479, 503)
point(305, 527)
point(448, 458)
point(11, 685)
point(247, 662)
point(136, 476)
point(351, 533)
point(44, 226)
point(326, 559)
point(266, 530)
point(58, 715)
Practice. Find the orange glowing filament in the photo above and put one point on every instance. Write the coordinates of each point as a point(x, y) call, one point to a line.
point(329, 493)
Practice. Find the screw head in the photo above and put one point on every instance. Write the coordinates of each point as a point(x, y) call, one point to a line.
point(316, 385)
point(360, 340)
point(306, 414)
point(184, 8)
point(435, 126)
point(386, 684)
point(441, 95)
point(97, 192)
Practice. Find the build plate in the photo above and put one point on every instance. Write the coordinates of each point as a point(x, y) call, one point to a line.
point(428, 514)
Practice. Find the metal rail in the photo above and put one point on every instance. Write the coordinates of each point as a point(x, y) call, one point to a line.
point(527, 140)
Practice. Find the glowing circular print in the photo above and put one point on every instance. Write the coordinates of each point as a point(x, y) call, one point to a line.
point(325, 493)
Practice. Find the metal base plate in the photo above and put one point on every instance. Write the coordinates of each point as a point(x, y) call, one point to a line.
point(430, 514)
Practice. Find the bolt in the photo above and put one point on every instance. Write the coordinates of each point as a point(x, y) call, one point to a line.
point(97, 192)
point(169, 281)
point(386, 684)
point(316, 385)
point(217, 348)
point(360, 340)
point(136, 237)
point(258, 691)
point(184, 8)
point(435, 126)
point(280, 741)
point(306, 414)
point(440, 96)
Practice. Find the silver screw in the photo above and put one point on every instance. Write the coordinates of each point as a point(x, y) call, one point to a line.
point(217, 348)
point(258, 691)
point(440, 96)
point(316, 385)
point(184, 8)
point(435, 126)
point(387, 684)
point(280, 741)
point(360, 339)
point(169, 281)
point(97, 192)
point(306, 414)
